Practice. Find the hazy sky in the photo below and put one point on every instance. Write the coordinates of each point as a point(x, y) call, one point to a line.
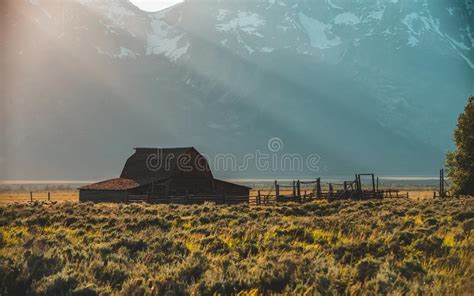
point(86, 87)
point(154, 5)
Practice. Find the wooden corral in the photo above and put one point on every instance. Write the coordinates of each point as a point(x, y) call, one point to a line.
point(442, 193)
point(314, 190)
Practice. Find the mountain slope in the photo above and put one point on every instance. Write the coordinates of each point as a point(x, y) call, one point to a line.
point(368, 85)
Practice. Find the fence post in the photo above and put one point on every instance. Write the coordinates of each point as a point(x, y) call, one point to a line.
point(442, 188)
point(358, 184)
point(298, 188)
point(49, 196)
point(259, 198)
point(31, 196)
point(277, 189)
point(373, 186)
point(318, 188)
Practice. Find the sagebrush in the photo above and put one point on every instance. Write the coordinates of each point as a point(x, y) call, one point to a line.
point(332, 248)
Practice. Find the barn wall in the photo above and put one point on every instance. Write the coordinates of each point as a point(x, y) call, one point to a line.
point(195, 186)
point(142, 190)
point(192, 186)
point(102, 195)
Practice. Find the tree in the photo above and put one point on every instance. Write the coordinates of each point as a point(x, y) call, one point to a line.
point(460, 163)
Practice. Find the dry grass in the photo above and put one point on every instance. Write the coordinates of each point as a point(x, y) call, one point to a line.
point(420, 194)
point(376, 247)
point(20, 196)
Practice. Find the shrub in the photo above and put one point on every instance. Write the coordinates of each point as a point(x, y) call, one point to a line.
point(351, 250)
point(411, 268)
point(214, 245)
point(132, 245)
point(366, 269)
point(463, 216)
point(85, 290)
point(274, 277)
point(58, 284)
point(468, 225)
point(430, 245)
point(405, 238)
point(13, 278)
point(135, 287)
point(41, 265)
point(109, 273)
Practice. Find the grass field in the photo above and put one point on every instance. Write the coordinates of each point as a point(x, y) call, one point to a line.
point(392, 247)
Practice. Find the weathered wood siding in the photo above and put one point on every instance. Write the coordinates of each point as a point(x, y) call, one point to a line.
point(102, 195)
point(230, 189)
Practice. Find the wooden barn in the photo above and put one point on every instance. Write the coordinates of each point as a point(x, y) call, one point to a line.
point(162, 172)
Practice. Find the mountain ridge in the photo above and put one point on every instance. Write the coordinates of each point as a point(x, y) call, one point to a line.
point(243, 73)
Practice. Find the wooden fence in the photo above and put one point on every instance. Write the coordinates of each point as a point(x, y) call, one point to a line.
point(352, 190)
point(279, 193)
point(32, 198)
point(258, 199)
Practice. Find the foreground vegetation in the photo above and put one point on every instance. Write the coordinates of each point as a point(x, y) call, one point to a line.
point(342, 247)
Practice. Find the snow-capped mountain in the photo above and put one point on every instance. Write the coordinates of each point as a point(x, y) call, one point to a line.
point(368, 84)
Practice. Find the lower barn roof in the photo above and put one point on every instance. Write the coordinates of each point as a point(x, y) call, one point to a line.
point(113, 184)
point(231, 184)
point(119, 184)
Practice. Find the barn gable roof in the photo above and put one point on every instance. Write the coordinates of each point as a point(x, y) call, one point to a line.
point(152, 164)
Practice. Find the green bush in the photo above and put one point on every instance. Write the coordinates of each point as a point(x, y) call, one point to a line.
point(460, 163)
